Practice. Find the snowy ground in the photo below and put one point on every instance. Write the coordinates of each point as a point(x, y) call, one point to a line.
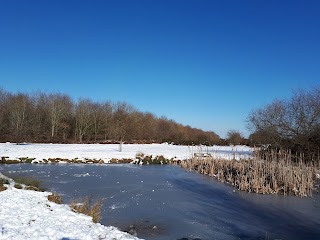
point(26, 214)
point(109, 151)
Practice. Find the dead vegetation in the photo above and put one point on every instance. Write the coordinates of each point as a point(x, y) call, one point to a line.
point(120, 161)
point(2, 182)
point(54, 197)
point(86, 207)
point(141, 158)
point(28, 183)
point(273, 173)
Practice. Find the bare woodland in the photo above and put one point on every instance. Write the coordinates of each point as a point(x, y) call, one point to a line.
point(56, 117)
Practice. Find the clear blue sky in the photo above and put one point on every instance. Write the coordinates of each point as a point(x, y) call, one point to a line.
point(202, 63)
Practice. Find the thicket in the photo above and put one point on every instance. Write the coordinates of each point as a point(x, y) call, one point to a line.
point(56, 117)
point(289, 124)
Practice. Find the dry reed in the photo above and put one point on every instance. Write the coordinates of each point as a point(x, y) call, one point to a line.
point(2, 188)
point(87, 208)
point(273, 173)
point(54, 197)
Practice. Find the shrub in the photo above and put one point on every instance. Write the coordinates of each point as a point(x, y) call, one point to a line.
point(293, 123)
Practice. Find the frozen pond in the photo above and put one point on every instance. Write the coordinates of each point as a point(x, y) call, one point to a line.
point(166, 202)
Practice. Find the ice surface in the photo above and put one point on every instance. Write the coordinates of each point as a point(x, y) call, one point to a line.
point(179, 203)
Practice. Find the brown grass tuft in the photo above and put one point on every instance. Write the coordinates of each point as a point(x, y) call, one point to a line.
point(86, 207)
point(32, 188)
point(18, 186)
point(3, 181)
point(28, 181)
point(54, 197)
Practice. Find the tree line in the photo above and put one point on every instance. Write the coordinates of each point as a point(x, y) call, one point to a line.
point(55, 117)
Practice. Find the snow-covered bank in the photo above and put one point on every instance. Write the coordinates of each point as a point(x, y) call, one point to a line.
point(106, 152)
point(26, 214)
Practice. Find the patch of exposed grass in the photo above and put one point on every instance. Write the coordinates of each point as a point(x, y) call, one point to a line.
point(3, 181)
point(33, 188)
point(30, 182)
point(18, 186)
point(54, 197)
point(88, 208)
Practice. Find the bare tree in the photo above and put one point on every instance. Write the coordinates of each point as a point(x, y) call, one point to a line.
point(19, 106)
point(55, 117)
point(121, 115)
point(235, 137)
point(40, 120)
point(107, 119)
point(4, 96)
point(289, 123)
point(59, 106)
point(83, 115)
point(97, 118)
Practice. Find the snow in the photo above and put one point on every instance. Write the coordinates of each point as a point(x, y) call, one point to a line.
point(26, 214)
point(108, 151)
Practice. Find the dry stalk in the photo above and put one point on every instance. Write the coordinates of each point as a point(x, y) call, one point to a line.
point(85, 207)
point(266, 173)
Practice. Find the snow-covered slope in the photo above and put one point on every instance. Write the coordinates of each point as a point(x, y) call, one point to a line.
point(26, 214)
point(109, 151)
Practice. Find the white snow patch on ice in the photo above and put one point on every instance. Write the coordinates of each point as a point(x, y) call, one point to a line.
point(82, 175)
